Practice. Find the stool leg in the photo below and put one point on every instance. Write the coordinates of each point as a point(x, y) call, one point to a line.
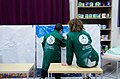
point(117, 71)
point(27, 75)
point(48, 76)
point(95, 76)
point(34, 73)
point(101, 76)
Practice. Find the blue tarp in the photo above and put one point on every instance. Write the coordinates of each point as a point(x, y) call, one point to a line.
point(42, 30)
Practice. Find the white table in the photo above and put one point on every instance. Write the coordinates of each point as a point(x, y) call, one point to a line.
point(17, 68)
point(59, 68)
point(115, 59)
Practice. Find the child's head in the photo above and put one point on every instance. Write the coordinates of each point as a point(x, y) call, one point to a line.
point(58, 27)
point(75, 25)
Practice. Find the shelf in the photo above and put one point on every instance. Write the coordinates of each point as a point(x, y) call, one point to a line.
point(94, 6)
point(105, 40)
point(105, 29)
point(96, 12)
point(95, 18)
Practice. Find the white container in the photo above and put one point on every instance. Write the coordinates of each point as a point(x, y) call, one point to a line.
point(103, 15)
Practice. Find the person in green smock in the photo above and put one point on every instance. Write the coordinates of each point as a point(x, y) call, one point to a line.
point(79, 43)
point(52, 44)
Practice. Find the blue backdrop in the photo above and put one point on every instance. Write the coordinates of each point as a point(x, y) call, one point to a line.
point(42, 30)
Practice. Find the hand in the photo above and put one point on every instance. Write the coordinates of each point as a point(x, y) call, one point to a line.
point(64, 64)
point(65, 36)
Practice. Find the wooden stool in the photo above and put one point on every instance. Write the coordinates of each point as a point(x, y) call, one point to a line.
point(59, 68)
point(17, 68)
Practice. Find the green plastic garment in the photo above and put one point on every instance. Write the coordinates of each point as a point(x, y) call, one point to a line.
point(79, 43)
point(52, 44)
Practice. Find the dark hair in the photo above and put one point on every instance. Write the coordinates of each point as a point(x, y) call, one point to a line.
point(58, 27)
point(75, 25)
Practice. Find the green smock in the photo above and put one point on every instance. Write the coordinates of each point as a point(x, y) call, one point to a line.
point(52, 44)
point(80, 44)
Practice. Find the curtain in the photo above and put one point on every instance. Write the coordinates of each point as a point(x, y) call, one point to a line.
point(34, 11)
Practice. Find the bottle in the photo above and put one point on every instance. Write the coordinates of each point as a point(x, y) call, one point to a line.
point(106, 48)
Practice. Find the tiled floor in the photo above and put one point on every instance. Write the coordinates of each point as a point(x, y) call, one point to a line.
point(61, 78)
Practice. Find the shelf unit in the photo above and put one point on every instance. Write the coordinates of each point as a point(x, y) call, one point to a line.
point(97, 12)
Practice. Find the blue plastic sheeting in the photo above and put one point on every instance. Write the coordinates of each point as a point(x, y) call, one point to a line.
point(42, 30)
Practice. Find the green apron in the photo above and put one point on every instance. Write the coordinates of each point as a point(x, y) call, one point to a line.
point(80, 44)
point(52, 44)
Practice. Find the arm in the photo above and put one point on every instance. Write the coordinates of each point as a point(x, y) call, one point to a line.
point(69, 51)
point(63, 42)
point(43, 43)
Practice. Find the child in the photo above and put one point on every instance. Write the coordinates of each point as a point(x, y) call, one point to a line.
point(79, 42)
point(52, 44)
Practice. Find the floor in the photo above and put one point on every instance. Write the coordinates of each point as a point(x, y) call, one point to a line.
point(62, 78)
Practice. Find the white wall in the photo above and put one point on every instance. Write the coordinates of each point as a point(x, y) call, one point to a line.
point(115, 34)
point(17, 44)
point(115, 29)
point(72, 8)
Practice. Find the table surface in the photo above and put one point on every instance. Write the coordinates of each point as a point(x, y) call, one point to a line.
point(16, 68)
point(59, 68)
point(112, 58)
